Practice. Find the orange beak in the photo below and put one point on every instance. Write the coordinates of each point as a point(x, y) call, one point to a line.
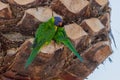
point(60, 24)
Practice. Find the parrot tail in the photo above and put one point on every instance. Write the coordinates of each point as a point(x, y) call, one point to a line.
point(33, 55)
point(68, 43)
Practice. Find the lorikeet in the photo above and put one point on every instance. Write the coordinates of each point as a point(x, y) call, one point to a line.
point(43, 35)
point(61, 37)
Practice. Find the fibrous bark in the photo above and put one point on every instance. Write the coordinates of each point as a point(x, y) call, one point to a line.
point(86, 22)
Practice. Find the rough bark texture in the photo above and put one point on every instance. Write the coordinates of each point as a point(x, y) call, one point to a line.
point(87, 24)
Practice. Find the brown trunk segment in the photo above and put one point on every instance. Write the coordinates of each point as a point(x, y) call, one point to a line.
point(87, 24)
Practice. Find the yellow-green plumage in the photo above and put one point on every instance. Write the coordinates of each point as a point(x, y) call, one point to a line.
point(61, 37)
point(44, 34)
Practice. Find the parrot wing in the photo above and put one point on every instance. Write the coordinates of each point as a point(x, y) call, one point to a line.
point(45, 31)
point(61, 37)
point(44, 34)
point(68, 43)
point(33, 54)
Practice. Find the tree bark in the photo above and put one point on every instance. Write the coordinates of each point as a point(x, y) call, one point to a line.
point(86, 22)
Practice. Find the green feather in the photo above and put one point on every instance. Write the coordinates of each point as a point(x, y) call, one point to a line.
point(68, 43)
point(33, 54)
point(44, 34)
point(61, 37)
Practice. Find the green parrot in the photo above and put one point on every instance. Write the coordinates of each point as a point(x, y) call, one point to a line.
point(61, 37)
point(43, 36)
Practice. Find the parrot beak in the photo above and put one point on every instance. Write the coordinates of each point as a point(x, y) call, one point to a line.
point(60, 24)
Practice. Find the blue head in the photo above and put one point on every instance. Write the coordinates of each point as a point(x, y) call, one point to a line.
point(58, 21)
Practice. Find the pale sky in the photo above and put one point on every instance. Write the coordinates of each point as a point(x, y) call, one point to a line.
point(111, 71)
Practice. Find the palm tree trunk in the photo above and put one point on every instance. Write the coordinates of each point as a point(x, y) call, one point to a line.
point(86, 22)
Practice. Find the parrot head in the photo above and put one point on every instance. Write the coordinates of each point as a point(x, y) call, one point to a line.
point(58, 21)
